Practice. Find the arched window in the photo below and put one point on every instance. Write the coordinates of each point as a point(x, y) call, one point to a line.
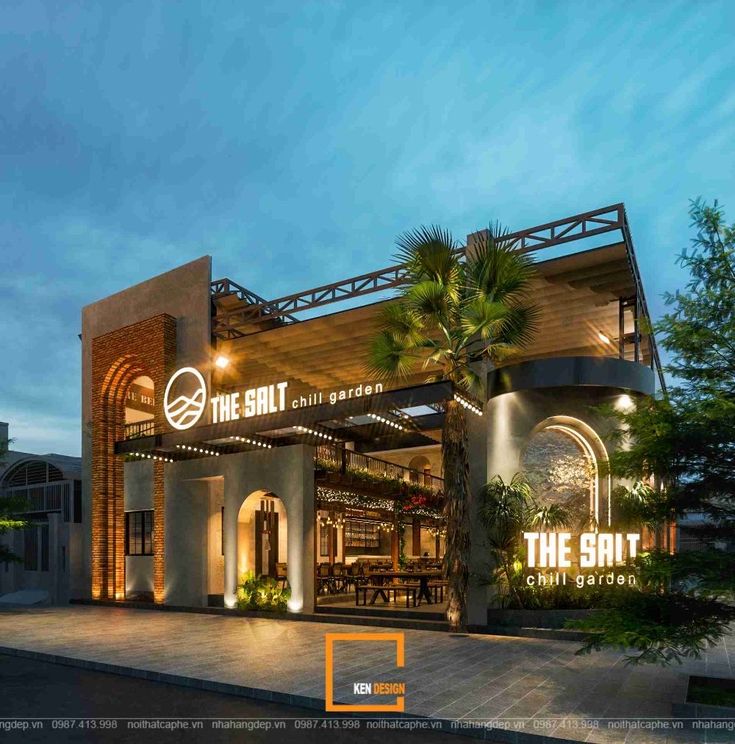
point(420, 470)
point(561, 463)
point(31, 473)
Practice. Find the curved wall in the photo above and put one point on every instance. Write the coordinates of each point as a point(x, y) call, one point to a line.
point(572, 372)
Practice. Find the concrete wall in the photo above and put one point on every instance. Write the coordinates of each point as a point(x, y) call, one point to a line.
point(496, 445)
point(191, 491)
point(58, 581)
point(183, 293)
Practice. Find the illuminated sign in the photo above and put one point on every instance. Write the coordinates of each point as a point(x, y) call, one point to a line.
point(257, 401)
point(595, 549)
point(187, 406)
point(590, 550)
point(186, 398)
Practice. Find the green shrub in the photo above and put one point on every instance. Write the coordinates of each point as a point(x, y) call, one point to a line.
point(263, 593)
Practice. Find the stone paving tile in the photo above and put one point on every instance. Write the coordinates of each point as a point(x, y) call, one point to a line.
point(469, 677)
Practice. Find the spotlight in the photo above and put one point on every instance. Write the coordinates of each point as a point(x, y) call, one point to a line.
point(221, 361)
point(605, 339)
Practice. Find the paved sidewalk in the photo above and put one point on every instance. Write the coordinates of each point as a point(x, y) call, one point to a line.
point(448, 677)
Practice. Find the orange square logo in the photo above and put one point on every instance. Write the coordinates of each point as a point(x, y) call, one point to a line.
point(330, 639)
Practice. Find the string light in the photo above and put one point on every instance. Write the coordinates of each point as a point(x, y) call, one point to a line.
point(315, 433)
point(468, 404)
point(198, 450)
point(146, 456)
point(254, 442)
point(384, 420)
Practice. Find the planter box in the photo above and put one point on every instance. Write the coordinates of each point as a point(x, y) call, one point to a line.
point(533, 618)
point(692, 708)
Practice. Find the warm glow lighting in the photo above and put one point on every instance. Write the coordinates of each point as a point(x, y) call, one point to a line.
point(221, 361)
point(469, 405)
point(605, 339)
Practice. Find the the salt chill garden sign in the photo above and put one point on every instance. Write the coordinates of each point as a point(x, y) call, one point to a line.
point(185, 399)
point(553, 556)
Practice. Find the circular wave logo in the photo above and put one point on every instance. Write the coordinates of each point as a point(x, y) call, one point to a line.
point(185, 409)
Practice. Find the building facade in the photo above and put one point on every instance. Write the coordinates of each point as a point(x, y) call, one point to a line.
point(48, 491)
point(226, 434)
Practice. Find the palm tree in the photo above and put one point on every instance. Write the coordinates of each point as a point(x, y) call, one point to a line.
point(454, 313)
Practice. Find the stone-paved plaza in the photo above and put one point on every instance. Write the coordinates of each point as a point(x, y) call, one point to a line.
point(524, 683)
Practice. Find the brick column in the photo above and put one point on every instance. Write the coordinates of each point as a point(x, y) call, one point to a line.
point(145, 348)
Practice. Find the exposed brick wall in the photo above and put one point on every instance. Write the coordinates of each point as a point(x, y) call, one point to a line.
point(145, 348)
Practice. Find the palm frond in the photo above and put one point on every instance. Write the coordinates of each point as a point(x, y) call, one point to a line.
point(495, 269)
point(389, 358)
point(430, 301)
point(520, 325)
point(483, 317)
point(431, 253)
point(402, 323)
point(468, 379)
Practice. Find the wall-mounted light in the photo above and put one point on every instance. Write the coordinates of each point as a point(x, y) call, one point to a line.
point(605, 339)
point(221, 361)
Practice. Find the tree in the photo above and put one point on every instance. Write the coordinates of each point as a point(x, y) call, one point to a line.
point(452, 315)
point(9, 508)
point(681, 459)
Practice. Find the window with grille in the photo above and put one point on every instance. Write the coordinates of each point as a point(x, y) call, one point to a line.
point(362, 535)
point(323, 539)
point(139, 533)
point(33, 473)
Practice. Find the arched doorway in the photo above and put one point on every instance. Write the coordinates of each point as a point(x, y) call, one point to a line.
point(262, 536)
point(561, 461)
point(140, 407)
point(422, 466)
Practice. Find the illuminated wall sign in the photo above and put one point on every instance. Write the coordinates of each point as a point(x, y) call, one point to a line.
point(316, 399)
point(186, 395)
point(595, 549)
point(257, 401)
point(185, 398)
point(590, 550)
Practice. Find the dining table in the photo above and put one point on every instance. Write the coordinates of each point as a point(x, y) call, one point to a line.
point(379, 578)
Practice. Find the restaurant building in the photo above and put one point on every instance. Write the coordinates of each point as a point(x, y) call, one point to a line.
point(226, 433)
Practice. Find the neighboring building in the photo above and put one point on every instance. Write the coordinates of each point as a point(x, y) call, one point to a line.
point(51, 546)
point(226, 433)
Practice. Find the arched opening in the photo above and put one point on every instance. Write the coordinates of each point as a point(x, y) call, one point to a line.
point(561, 462)
point(422, 467)
point(262, 536)
point(139, 407)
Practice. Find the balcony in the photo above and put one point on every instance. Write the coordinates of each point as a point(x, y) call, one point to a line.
point(369, 477)
point(140, 429)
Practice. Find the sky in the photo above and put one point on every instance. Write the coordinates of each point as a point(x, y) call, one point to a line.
point(293, 141)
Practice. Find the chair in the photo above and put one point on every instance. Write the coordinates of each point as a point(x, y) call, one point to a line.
point(282, 574)
point(339, 577)
point(354, 576)
point(324, 578)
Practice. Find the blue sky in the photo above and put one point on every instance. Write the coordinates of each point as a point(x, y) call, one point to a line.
point(293, 141)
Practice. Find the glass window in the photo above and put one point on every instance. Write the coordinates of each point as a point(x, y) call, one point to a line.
point(362, 535)
point(323, 539)
point(139, 533)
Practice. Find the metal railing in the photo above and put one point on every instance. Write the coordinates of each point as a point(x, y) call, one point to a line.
point(140, 429)
point(345, 461)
